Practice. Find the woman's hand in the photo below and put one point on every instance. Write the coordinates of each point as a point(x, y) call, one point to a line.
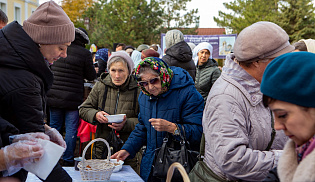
point(162, 125)
point(55, 136)
point(120, 155)
point(29, 136)
point(16, 155)
point(100, 117)
point(118, 126)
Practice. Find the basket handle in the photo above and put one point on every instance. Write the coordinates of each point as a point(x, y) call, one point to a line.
point(91, 142)
point(180, 168)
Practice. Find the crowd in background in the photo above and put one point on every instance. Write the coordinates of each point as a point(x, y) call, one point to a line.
point(256, 115)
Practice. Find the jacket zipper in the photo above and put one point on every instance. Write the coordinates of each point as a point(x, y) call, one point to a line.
point(116, 105)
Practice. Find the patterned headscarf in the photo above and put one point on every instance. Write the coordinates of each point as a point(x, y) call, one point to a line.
point(102, 54)
point(158, 65)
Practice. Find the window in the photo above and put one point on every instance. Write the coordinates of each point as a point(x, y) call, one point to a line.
point(3, 6)
point(17, 12)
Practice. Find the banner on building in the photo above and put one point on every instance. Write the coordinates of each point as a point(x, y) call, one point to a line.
point(222, 44)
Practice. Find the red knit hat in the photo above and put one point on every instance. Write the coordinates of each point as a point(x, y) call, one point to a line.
point(49, 24)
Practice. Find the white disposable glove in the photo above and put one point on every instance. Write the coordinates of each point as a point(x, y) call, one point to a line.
point(20, 153)
point(29, 136)
point(55, 137)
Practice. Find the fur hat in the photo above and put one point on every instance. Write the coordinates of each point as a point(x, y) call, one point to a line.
point(172, 37)
point(291, 78)
point(125, 56)
point(49, 24)
point(149, 53)
point(261, 40)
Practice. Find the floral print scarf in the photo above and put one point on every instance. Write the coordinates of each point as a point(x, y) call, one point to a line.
point(303, 150)
point(158, 65)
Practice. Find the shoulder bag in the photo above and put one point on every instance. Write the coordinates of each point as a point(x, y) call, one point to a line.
point(168, 153)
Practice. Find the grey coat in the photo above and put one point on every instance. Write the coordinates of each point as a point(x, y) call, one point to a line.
point(238, 129)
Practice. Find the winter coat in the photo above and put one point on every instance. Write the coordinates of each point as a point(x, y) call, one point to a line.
point(206, 75)
point(6, 130)
point(181, 104)
point(69, 74)
point(238, 129)
point(180, 55)
point(289, 169)
point(25, 78)
point(127, 98)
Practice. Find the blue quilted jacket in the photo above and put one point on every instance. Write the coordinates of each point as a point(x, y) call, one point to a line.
point(181, 104)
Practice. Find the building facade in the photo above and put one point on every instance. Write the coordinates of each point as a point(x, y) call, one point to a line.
point(18, 10)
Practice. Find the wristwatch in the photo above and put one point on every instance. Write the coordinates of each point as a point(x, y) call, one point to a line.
point(176, 131)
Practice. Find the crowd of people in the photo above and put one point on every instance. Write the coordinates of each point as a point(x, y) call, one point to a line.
point(257, 115)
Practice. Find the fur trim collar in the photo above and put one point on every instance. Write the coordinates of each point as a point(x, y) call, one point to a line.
point(290, 170)
point(82, 34)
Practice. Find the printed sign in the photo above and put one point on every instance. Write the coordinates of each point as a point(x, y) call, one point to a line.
point(222, 44)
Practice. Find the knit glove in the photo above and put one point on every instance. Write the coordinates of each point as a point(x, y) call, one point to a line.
point(20, 153)
point(55, 137)
point(28, 136)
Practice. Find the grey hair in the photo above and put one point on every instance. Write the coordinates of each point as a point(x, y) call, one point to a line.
point(118, 59)
point(146, 68)
point(248, 63)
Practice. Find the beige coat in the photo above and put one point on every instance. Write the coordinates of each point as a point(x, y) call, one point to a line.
point(288, 168)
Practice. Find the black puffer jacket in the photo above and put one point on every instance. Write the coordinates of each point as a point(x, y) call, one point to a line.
point(69, 74)
point(25, 78)
point(180, 55)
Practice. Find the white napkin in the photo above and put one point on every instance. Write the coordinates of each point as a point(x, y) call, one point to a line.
point(45, 165)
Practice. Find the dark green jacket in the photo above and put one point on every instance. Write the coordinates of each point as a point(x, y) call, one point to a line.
point(123, 100)
point(206, 75)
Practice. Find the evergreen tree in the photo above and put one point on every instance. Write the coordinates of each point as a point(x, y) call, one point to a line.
point(132, 22)
point(297, 19)
point(247, 12)
point(174, 19)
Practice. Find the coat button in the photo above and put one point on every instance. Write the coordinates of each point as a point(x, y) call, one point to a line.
point(254, 98)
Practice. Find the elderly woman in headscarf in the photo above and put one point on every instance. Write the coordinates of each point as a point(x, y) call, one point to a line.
point(101, 57)
point(207, 71)
point(168, 100)
point(178, 52)
point(116, 93)
point(136, 57)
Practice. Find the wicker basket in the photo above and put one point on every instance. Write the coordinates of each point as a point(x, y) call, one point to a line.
point(96, 169)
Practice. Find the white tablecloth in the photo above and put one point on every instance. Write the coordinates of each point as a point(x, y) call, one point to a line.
point(125, 174)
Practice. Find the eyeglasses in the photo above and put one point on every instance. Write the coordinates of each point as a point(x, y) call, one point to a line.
point(146, 83)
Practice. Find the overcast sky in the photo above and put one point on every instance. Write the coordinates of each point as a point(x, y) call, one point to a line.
point(207, 9)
